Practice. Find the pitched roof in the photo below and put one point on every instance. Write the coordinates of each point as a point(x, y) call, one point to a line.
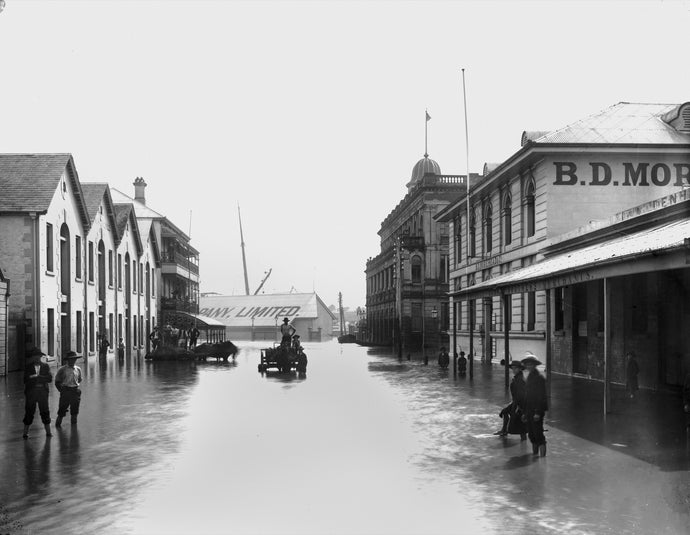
point(625, 122)
point(28, 182)
point(94, 194)
point(124, 213)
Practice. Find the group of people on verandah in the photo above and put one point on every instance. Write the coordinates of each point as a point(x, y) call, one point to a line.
point(524, 415)
point(37, 378)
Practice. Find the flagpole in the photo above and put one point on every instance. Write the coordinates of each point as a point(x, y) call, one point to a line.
point(426, 128)
point(467, 197)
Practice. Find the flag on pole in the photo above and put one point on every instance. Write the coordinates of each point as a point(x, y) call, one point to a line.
point(428, 117)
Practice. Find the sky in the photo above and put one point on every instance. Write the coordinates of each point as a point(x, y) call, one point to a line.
point(310, 115)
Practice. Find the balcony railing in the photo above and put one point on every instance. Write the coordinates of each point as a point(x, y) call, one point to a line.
point(180, 260)
point(412, 242)
point(179, 305)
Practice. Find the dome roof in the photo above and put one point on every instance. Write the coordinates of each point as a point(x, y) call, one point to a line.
point(423, 167)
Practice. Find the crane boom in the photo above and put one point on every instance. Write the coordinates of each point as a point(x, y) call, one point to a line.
point(262, 282)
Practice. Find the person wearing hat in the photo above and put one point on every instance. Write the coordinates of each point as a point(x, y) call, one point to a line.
point(462, 364)
point(511, 413)
point(534, 404)
point(287, 331)
point(67, 381)
point(37, 376)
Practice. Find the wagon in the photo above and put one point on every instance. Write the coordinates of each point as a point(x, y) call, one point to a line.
point(283, 359)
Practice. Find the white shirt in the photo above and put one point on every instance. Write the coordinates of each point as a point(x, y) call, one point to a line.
point(69, 376)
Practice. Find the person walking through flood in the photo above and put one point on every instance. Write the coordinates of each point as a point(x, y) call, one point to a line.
point(286, 330)
point(631, 371)
point(37, 377)
point(67, 381)
point(534, 404)
point(462, 364)
point(103, 346)
point(511, 413)
point(443, 358)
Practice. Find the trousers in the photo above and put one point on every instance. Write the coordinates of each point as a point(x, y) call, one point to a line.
point(70, 397)
point(36, 396)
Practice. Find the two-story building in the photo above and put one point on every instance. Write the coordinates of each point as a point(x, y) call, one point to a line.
point(524, 265)
point(83, 267)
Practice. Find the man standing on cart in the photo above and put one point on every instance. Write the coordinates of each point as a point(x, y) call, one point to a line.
point(286, 330)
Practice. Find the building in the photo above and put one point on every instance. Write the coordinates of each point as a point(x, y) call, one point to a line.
point(259, 317)
point(571, 249)
point(83, 266)
point(177, 281)
point(407, 281)
point(4, 304)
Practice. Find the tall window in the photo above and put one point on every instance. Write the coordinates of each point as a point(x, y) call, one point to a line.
point(134, 278)
point(473, 235)
point(110, 269)
point(119, 272)
point(51, 331)
point(92, 332)
point(49, 247)
point(77, 257)
point(458, 242)
point(488, 227)
point(529, 209)
point(558, 309)
point(444, 269)
point(507, 219)
point(531, 312)
point(458, 314)
point(80, 340)
point(90, 261)
point(153, 282)
point(416, 265)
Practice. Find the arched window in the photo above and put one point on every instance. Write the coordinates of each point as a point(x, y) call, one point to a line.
point(416, 269)
point(473, 235)
point(529, 208)
point(507, 219)
point(488, 227)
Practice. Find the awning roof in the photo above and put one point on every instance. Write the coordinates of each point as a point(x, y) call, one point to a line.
point(589, 263)
point(203, 322)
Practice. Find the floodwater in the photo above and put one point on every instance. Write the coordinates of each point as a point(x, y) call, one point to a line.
point(363, 444)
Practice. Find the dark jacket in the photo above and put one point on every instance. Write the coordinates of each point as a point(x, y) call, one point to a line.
point(517, 389)
point(44, 377)
point(535, 394)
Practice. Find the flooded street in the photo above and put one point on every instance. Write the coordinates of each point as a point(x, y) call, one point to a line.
point(363, 444)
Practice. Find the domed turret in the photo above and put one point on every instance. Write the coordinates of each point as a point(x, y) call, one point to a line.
point(425, 166)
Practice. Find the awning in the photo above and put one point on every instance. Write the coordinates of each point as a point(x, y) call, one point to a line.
point(202, 322)
point(657, 248)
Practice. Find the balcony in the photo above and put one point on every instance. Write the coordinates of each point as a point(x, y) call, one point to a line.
point(180, 260)
point(412, 243)
point(171, 304)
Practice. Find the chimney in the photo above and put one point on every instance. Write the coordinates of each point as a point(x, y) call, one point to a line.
point(140, 190)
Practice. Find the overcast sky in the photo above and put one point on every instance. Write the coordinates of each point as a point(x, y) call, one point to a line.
point(310, 115)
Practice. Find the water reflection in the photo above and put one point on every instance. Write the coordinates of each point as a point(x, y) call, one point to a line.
point(369, 444)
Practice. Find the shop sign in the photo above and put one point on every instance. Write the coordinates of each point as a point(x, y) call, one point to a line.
point(626, 174)
point(250, 312)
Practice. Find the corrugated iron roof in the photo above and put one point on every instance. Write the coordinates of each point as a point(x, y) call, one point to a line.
point(624, 122)
point(662, 237)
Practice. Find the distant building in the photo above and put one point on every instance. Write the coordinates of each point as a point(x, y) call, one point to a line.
point(407, 281)
point(259, 317)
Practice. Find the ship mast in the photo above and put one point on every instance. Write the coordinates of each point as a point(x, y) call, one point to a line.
point(342, 314)
point(244, 258)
